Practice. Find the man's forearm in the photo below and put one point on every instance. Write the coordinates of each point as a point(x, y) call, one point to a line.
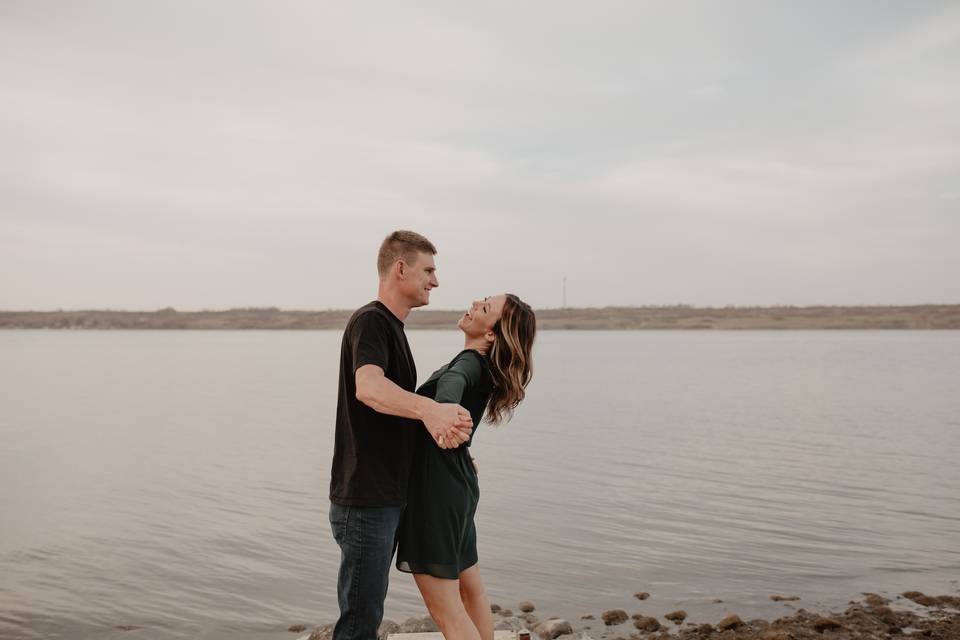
point(384, 396)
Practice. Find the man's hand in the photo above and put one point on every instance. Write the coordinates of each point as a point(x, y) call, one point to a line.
point(449, 424)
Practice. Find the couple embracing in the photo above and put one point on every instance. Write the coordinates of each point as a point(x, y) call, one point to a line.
point(402, 479)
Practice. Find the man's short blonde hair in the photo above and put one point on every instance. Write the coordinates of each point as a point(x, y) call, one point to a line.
point(402, 245)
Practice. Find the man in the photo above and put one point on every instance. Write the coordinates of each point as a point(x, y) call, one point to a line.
point(377, 418)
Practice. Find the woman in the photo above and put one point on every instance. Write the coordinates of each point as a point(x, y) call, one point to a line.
point(438, 539)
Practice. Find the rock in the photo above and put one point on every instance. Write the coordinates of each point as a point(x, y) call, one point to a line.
point(494, 608)
point(919, 598)
point(297, 628)
point(614, 616)
point(676, 616)
point(717, 600)
point(386, 628)
point(530, 619)
point(874, 600)
point(784, 598)
point(704, 629)
point(641, 595)
point(822, 623)
point(646, 623)
point(526, 606)
point(506, 613)
point(553, 629)
point(510, 623)
point(417, 625)
point(886, 615)
point(731, 621)
point(587, 616)
point(775, 634)
point(950, 601)
point(323, 632)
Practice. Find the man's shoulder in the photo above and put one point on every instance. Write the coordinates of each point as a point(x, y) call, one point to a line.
point(371, 315)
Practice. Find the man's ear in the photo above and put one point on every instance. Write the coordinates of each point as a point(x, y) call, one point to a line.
point(399, 269)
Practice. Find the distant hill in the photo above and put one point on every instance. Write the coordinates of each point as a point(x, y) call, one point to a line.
point(606, 318)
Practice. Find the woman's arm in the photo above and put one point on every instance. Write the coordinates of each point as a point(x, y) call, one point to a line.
point(384, 396)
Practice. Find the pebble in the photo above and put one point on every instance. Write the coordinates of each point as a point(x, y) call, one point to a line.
point(641, 595)
point(731, 621)
point(822, 623)
point(297, 628)
point(875, 600)
point(526, 606)
point(676, 616)
point(614, 616)
point(646, 623)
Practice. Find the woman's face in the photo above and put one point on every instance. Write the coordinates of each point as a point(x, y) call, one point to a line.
point(482, 315)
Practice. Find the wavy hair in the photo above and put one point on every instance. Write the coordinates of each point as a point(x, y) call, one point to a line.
point(511, 364)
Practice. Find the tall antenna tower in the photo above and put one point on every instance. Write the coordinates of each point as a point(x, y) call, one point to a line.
point(564, 306)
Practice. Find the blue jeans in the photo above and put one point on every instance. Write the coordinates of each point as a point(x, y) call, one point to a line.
point(367, 537)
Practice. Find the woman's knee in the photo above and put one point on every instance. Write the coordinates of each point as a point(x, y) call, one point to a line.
point(471, 586)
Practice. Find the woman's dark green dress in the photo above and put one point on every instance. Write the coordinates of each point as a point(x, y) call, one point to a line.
point(437, 533)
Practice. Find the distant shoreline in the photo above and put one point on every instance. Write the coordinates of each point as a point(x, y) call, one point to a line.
point(681, 317)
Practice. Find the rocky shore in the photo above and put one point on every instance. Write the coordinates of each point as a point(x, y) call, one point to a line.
point(911, 614)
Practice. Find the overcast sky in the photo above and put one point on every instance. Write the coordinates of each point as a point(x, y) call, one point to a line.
point(223, 154)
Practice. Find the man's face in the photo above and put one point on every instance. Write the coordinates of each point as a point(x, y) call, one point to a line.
point(419, 279)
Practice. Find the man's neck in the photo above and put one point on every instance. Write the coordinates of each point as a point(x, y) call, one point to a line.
point(398, 305)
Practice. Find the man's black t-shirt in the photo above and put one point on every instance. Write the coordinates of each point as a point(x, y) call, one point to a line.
point(372, 451)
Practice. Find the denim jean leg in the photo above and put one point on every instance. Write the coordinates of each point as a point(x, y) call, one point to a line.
point(367, 538)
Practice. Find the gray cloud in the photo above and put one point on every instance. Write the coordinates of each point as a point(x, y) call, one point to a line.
point(208, 155)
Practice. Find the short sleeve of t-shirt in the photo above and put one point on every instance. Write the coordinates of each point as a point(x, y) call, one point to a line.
point(370, 341)
point(465, 371)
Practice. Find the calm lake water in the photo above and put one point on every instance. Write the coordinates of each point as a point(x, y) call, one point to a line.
point(177, 481)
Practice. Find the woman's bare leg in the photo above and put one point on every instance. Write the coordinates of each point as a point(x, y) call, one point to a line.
point(442, 598)
point(474, 597)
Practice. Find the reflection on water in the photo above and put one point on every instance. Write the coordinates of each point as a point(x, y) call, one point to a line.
point(177, 481)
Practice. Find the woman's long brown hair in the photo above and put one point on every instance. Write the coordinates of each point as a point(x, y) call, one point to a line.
point(511, 364)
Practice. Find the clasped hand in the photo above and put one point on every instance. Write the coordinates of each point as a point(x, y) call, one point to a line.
point(449, 424)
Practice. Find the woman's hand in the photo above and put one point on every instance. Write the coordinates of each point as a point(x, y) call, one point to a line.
point(449, 424)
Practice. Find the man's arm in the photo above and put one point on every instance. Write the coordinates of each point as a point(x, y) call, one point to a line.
point(381, 394)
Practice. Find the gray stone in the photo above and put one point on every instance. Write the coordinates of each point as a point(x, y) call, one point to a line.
point(510, 623)
point(526, 606)
point(323, 632)
point(552, 629)
point(417, 625)
point(386, 628)
point(530, 619)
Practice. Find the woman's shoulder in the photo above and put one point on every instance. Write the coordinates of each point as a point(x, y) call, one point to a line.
point(471, 363)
